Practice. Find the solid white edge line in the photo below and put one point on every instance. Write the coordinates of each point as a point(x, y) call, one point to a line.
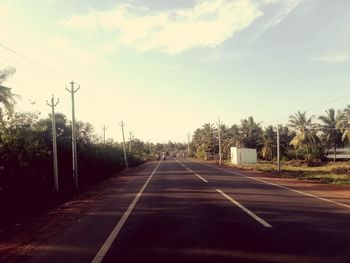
point(281, 186)
point(113, 235)
point(257, 218)
point(200, 177)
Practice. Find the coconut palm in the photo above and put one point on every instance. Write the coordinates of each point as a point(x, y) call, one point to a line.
point(268, 143)
point(331, 134)
point(345, 124)
point(251, 132)
point(203, 140)
point(7, 98)
point(305, 136)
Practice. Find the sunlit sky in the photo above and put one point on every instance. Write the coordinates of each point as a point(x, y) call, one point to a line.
point(167, 67)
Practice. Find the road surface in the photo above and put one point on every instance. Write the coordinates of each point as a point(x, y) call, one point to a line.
point(184, 211)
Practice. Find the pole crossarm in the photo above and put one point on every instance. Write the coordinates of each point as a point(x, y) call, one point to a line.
point(52, 104)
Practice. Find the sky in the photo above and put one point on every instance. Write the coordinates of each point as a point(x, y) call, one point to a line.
point(167, 67)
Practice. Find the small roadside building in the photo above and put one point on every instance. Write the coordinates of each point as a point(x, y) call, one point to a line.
point(243, 155)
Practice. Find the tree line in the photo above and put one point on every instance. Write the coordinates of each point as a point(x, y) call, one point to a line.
point(305, 137)
point(26, 169)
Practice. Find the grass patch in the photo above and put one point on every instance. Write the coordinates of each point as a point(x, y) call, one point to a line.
point(331, 173)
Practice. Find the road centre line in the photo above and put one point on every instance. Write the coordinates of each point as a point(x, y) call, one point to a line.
point(257, 218)
point(184, 166)
point(280, 186)
point(113, 235)
point(200, 177)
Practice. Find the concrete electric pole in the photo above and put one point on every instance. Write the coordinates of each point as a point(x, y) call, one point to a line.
point(219, 129)
point(149, 146)
point(188, 144)
point(130, 141)
point(278, 150)
point(54, 142)
point(104, 128)
point(72, 91)
point(125, 158)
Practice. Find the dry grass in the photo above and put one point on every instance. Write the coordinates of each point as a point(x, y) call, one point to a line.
point(332, 173)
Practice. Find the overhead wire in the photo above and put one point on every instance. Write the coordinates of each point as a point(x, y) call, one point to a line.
point(24, 67)
point(35, 62)
point(48, 69)
point(318, 106)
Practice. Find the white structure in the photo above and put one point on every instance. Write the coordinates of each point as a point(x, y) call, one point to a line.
point(243, 155)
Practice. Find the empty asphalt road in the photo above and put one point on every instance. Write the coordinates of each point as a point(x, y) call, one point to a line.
point(184, 211)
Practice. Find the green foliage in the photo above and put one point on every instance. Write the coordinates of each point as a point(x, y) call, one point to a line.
point(305, 140)
point(251, 133)
point(7, 98)
point(26, 172)
point(268, 142)
point(300, 139)
point(344, 124)
point(331, 136)
point(204, 140)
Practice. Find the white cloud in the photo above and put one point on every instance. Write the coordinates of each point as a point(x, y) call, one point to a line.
point(285, 7)
point(269, 2)
point(337, 57)
point(207, 24)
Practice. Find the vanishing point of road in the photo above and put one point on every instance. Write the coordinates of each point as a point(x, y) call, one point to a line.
point(179, 210)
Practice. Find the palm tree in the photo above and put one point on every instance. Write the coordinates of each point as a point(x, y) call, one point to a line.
point(269, 143)
point(251, 132)
point(305, 134)
point(344, 124)
point(7, 98)
point(203, 140)
point(332, 135)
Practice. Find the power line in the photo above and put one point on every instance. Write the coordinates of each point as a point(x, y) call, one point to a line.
point(325, 103)
point(36, 63)
point(24, 67)
point(318, 105)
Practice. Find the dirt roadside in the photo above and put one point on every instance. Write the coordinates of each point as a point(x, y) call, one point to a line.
point(17, 240)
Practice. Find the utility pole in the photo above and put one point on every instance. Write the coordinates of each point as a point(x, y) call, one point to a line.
point(125, 158)
point(188, 143)
point(219, 129)
point(72, 91)
point(54, 142)
point(104, 128)
point(149, 146)
point(130, 141)
point(211, 140)
point(278, 150)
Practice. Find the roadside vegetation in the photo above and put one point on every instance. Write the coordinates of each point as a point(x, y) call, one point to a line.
point(26, 169)
point(305, 143)
point(332, 173)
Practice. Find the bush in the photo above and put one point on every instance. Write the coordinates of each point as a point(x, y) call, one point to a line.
point(341, 170)
point(26, 172)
